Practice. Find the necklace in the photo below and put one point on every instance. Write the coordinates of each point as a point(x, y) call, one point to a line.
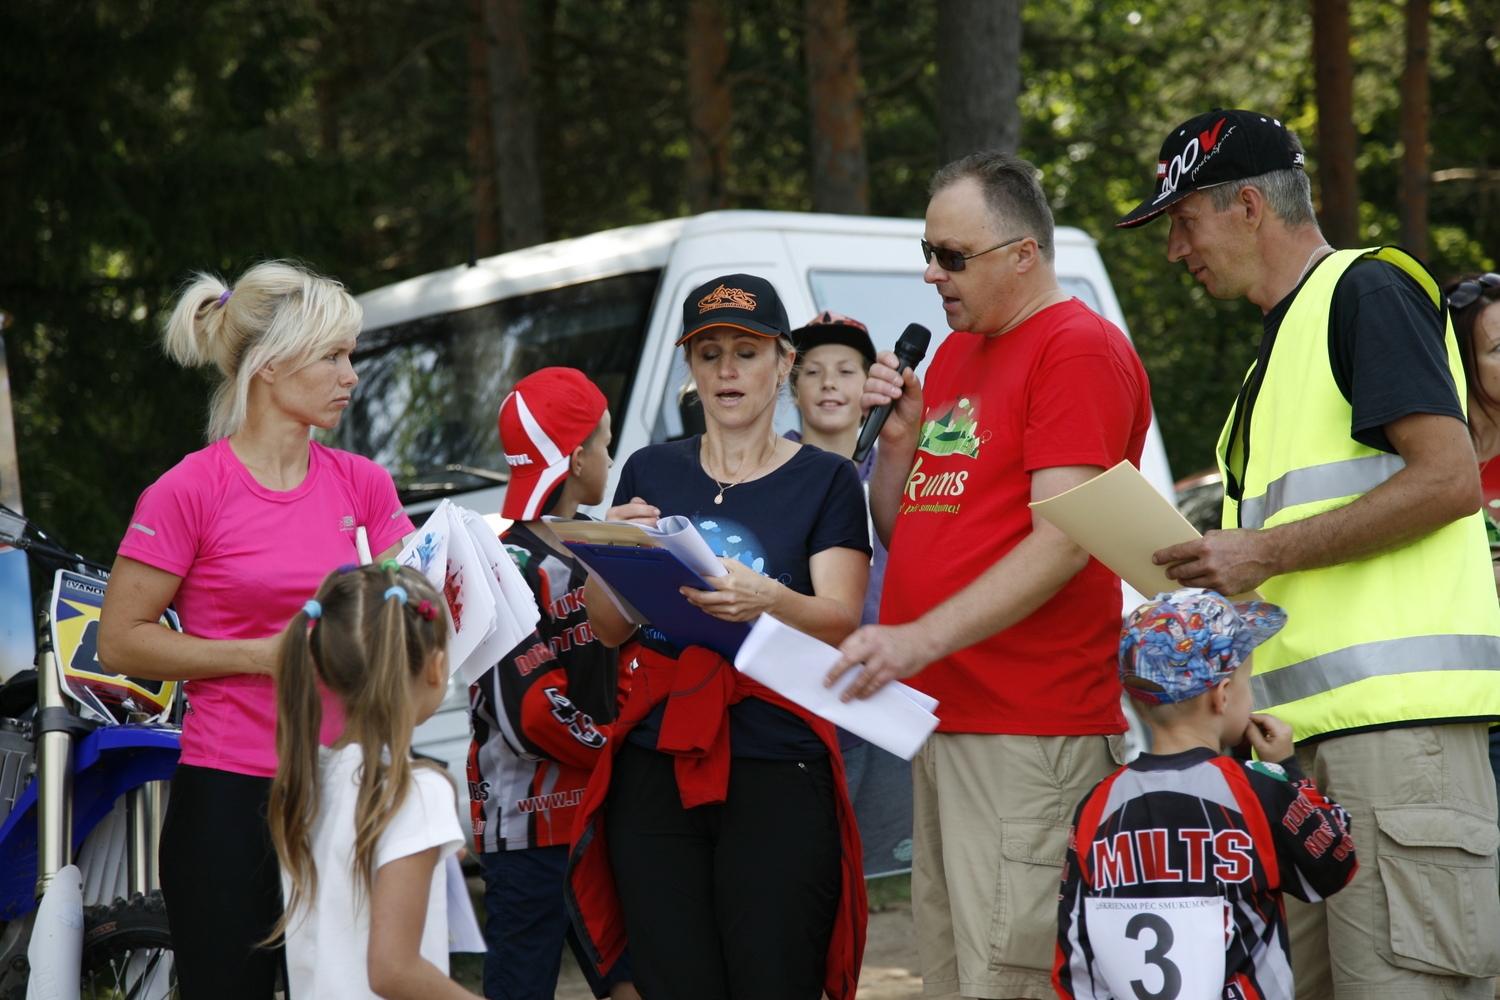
point(1308, 266)
point(725, 486)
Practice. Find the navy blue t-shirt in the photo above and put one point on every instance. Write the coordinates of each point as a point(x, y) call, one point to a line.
point(774, 525)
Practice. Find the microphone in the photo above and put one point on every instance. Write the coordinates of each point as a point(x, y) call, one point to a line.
point(910, 350)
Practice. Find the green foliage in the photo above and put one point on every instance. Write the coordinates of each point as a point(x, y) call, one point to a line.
point(140, 141)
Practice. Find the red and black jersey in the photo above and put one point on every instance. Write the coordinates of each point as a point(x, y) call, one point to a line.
point(1165, 832)
point(541, 715)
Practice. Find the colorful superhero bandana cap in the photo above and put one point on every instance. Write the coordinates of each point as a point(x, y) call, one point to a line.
point(1215, 148)
point(1183, 643)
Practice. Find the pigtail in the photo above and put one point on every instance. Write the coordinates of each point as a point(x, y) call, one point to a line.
point(192, 332)
point(294, 792)
point(381, 716)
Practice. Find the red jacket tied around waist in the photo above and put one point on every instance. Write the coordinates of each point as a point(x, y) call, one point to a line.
point(699, 687)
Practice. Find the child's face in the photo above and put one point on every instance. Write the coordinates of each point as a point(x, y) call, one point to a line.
point(1238, 704)
point(593, 477)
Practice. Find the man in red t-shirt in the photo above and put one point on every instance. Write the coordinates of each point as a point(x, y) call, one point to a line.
point(998, 615)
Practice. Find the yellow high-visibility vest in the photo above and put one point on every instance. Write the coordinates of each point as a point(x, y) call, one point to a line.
point(1407, 636)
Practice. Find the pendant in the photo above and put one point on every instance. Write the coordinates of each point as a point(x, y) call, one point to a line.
point(719, 498)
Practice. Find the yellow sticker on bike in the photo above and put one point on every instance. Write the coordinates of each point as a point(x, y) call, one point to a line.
point(102, 695)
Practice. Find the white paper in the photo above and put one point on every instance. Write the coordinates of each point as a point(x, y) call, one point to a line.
point(516, 612)
point(490, 607)
point(463, 925)
point(793, 664)
point(676, 534)
point(679, 537)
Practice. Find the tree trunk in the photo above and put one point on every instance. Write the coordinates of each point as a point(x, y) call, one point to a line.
point(481, 139)
point(1333, 76)
point(1414, 83)
point(708, 105)
point(512, 124)
point(840, 171)
point(979, 76)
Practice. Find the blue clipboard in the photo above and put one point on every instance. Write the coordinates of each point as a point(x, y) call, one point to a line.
point(649, 579)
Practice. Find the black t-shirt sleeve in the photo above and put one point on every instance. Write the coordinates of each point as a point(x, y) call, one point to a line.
point(842, 521)
point(1386, 347)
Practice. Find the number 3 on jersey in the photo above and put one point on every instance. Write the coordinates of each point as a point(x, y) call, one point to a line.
point(1159, 949)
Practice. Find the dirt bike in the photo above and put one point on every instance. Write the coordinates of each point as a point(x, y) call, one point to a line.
point(85, 755)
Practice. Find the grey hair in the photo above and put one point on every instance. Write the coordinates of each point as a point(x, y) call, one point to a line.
point(1011, 190)
point(1288, 192)
point(277, 313)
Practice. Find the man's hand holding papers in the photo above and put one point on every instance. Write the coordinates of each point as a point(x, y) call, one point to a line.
point(897, 718)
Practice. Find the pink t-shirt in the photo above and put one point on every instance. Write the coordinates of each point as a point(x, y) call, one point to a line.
point(249, 558)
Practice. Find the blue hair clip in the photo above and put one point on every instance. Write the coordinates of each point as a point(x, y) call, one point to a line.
point(313, 610)
point(397, 591)
point(348, 568)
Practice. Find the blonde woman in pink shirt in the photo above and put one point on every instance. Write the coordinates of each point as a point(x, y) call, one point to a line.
point(238, 537)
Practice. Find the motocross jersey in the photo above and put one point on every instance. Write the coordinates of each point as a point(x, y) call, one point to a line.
point(541, 715)
point(1174, 874)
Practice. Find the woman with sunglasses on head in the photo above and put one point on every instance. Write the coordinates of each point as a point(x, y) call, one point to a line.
point(1474, 304)
point(728, 851)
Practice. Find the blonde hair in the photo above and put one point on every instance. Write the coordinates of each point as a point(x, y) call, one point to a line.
point(278, 312)
point(366, 648)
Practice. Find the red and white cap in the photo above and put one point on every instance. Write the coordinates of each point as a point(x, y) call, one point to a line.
point(549, 414)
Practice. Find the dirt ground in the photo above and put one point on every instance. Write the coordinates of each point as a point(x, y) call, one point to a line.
point(890, 972)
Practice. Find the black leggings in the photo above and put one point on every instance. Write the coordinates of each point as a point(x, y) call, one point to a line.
point(222, 884)
point(733, 900)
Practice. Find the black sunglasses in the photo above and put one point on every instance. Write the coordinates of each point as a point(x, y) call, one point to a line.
point(953, 260)
point(1468, 292)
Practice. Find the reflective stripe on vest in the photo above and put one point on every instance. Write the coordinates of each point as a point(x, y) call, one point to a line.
point(1331, 481)
point(1412, 655)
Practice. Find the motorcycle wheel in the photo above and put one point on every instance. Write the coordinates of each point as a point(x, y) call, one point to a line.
point(127, 951)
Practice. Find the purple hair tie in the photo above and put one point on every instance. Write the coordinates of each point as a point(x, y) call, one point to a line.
point(225, 297)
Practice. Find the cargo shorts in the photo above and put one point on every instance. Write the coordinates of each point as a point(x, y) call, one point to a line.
point(1421, 918)
point(990, 839)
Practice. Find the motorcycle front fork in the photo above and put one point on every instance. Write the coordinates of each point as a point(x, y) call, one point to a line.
point(55, 800)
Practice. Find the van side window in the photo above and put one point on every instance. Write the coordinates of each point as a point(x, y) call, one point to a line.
point(430, 389)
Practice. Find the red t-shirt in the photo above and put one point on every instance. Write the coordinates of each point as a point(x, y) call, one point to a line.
point(1063, 388)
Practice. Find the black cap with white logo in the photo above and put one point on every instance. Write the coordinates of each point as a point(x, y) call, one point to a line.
point(1212, 149)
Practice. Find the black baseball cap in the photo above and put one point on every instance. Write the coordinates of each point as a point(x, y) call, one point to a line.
point(1212, 149)
point(831, 328)
point(741, 301)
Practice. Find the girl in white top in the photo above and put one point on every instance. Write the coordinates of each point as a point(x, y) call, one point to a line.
point(362, 831)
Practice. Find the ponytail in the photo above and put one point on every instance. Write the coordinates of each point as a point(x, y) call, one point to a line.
point(371, 631)
point(294, 793)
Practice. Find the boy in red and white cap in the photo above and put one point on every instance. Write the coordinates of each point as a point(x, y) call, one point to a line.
point(541, 715)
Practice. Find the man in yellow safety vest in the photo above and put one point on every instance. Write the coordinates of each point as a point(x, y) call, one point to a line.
point(1351, 500)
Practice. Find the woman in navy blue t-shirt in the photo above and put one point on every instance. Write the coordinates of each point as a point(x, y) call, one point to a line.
point(744, 892)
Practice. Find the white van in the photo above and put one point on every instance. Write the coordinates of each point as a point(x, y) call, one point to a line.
point(440, 352)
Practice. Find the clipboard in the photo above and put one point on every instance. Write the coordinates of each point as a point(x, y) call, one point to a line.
point(649, 578)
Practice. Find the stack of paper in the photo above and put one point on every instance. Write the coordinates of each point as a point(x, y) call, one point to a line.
point(793, 664)
point(490, 607)
point(676, 534)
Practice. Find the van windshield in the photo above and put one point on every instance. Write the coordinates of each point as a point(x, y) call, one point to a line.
point(430, 389)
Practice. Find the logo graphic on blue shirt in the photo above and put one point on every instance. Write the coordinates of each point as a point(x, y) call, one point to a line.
point(732, 540)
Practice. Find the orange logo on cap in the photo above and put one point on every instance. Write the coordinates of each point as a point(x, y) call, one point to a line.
point(722, 297)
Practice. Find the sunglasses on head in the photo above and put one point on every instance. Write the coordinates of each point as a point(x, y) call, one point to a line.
point(1468, 292)
point(953, 260)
